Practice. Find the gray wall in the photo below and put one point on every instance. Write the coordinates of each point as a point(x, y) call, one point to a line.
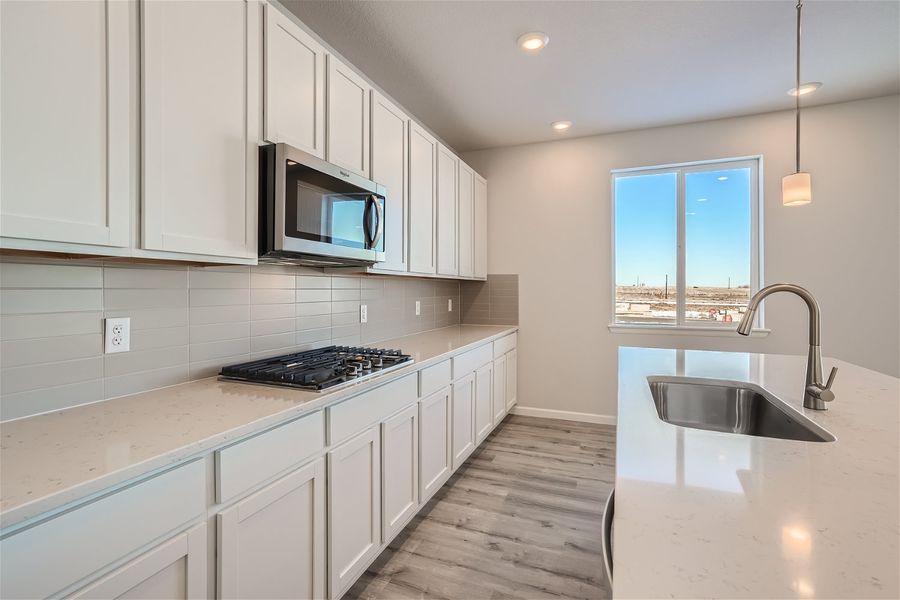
point(844, 246)
point(186, 322)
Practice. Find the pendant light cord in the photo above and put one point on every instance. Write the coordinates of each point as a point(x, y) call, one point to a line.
point(797, 90)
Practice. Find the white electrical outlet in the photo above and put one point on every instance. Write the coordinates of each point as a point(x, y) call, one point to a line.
point(363, 313)
point(118, 335)
point(418, 308)
point(449, 304)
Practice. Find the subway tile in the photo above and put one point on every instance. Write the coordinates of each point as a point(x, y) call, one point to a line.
point(271, 280)
point(313, 282)
point(347, 306)
point(215, 332)
point(306, 309)
point(14, 406)
point(20, 327)
point(143, 381)
point(271, 296)
point(346, 283)
point(210, 350)
point(272, 342)
point(349, 318)
point(271, 311)
point(340, 295)
point(35, 275)
point(17, 353)
point(114, 299)
point(275, 269)
point(204, 278)
point(313, 322)
point(313, 295)
point(152, 318)
point(15, 301)
point(350, 340)
point(345, 331)
point(210, 368)
point(148, 339)
point(270, 327)
point(144, 278)
point(146, 360)
point(371, 293)
point(313, 335)
point(219, 297)
point(205, 315)
point(23, 379)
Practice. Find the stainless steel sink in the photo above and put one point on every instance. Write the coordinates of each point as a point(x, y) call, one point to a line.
point(731, 407)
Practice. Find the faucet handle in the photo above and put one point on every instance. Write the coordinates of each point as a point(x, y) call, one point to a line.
point(823, 392)
point(830, 378)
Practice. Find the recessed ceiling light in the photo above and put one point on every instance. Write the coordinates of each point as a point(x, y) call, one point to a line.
point(722, 178)
point(806, 88)
point(561, 125)
point(533, 41)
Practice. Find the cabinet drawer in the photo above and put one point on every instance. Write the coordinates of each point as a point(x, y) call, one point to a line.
point(245, 464)
point(352, 416)
point(434, 378)
point(504, 345)
point(50, 557)
point(467, 362)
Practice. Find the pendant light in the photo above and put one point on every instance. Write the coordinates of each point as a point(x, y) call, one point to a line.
point(796, 189)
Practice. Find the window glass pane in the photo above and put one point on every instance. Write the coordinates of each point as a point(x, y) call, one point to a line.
point(646, 248)
point(717, 245)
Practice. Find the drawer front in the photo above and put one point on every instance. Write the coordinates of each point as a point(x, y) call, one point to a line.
point(468, 362)
point(352, 416)
point(245, 464)
point(504, 345)
point(434, 378)
point(45, 559)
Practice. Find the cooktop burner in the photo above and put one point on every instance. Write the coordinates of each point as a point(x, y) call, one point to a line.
point(320, 369)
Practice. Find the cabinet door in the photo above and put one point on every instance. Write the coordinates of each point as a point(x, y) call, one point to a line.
point(422, 180)
point(66, 121)
point(434, 443)
point(272, 544)
point(481, 212)
point(174, 570)
point(200, 126)
point(348, 118)
point(484, 409)
point(463, 427)
point(295, 85)
point(399, 470)
point(499, 400)
point(354, 509)
point(447, 217)
point(511, 379)
point(466, 221)
point(390, 155)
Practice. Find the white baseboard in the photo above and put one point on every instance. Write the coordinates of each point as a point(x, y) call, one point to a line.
point(567, 415)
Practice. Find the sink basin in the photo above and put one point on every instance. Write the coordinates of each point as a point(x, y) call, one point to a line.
point(730, 407)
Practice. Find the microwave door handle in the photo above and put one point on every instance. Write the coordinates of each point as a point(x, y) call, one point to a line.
point(366, 229)
point(379, 228)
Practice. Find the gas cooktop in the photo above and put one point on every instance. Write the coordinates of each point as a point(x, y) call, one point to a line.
point(318, 370)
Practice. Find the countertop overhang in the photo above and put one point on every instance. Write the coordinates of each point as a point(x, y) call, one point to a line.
point(51, 460)
point(703, 514)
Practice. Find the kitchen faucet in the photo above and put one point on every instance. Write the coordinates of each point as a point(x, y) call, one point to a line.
point(815, 395)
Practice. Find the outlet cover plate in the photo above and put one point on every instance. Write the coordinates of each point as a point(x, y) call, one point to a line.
point(117, 334)
point(363, 313)
point(449, 304)
point(418, 308)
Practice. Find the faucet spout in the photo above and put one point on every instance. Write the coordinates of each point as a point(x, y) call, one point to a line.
point(816, 394)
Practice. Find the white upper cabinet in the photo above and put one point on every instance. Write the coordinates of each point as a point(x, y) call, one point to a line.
point(347, 132)
point(466, 223)
point(447, 217)
point(481, 212)
point(423, 150)
point(390, 157)
point(66, 121)
point(295, 85)
point(201, 83)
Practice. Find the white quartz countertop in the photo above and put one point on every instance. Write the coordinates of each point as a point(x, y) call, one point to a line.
point(49, 460)
point(702, 514)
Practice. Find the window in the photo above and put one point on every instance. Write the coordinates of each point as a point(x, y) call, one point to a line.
point(686, 243)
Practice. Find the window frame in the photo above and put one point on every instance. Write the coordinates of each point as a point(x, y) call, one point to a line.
point(755, 164)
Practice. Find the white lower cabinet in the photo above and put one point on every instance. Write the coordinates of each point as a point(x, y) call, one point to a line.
point(463, 426)
point(434, 443)
point(511, 379)
point(272, 544)
point(484, 415)
point(499, 399)
point(174, 570)
point(399, 471)
point(354, 509)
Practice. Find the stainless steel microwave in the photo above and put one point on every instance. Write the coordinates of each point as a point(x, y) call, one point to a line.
point(315, 213)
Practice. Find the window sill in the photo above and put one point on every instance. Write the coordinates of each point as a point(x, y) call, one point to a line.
point(683, 330)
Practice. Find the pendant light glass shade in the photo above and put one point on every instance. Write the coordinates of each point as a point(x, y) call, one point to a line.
point(796, 189)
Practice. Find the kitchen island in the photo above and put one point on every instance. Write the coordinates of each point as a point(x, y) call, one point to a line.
point(704, 514)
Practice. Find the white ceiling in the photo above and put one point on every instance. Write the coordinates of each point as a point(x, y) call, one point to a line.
point(609, 66)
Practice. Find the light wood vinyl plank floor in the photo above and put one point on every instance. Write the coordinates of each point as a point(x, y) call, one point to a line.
point(521, 519)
